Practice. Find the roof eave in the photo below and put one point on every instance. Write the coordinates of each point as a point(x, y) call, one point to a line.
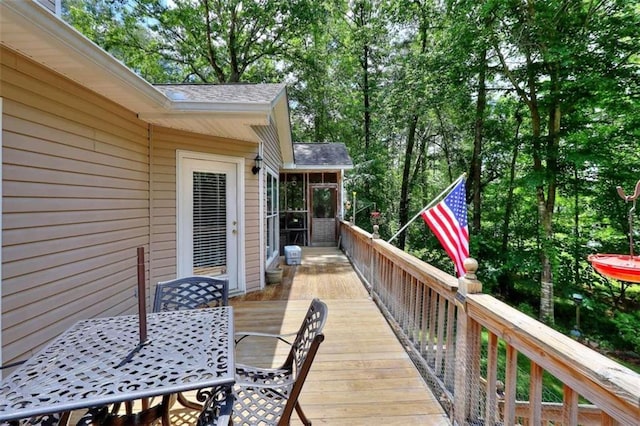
point(283, 126)
point(46, 30)
point(320, 168)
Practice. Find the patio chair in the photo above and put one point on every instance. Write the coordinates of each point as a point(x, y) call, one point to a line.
point(269, 395)
point(191, 293)
point(217, 408)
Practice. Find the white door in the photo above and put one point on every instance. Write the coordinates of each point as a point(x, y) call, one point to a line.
point(208, 211)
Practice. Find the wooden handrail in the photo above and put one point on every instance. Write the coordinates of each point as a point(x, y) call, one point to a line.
point(424, 303)
point(606, 383)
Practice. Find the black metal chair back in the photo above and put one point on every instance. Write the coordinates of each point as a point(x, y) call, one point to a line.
point(191, 293)
point(269, 396)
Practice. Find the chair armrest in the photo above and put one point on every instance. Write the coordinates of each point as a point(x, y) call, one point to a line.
point(250, 376)
point(261, 370)
point(241, 335)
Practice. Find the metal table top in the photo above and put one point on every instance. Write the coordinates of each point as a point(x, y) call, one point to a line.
point(100, 361)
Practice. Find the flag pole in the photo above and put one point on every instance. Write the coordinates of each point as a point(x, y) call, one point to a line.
point(428, 206)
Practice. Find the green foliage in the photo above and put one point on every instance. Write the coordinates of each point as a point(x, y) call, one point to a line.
point(627, 325)
point(204, 41)
point(398, 81)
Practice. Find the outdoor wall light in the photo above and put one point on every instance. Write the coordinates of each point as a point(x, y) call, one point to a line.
point(258, 165)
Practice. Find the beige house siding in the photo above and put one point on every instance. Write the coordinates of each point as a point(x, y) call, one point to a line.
point(164, 145)
point(85, 183)
point(271, 148)
point(75, 205)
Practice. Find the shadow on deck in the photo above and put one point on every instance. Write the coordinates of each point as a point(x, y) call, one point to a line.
point(361, 375)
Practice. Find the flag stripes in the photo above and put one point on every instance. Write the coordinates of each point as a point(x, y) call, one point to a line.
point(448, 221)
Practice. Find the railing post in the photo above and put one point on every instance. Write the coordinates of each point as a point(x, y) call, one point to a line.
point(467, 367)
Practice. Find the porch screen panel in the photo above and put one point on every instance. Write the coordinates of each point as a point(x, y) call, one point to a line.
point(209, 223)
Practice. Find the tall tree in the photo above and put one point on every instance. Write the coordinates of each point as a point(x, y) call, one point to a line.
point(541, 47)
point(419, 14)
point(200, 41)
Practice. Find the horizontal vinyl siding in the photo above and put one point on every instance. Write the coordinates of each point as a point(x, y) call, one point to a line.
point(165, 143)
point(271, 146)
point(75, 205)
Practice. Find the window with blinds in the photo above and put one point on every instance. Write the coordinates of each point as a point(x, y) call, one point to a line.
point(209, 223)
point(272, 215)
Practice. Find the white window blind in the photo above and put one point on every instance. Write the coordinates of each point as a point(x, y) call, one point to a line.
point(209, 221)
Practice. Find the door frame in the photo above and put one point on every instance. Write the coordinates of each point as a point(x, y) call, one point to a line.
point(238, 162)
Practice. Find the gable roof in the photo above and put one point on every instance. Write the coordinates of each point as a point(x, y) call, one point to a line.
point(32, 30)
point(322, 156)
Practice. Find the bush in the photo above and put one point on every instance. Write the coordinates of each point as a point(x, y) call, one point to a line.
point(627, 325)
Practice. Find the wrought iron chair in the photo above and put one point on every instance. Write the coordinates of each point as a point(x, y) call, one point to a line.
point(217, 408)
point(191, 293)
point(269, 395)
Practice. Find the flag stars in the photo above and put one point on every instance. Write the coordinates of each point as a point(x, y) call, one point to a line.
point(457, 203)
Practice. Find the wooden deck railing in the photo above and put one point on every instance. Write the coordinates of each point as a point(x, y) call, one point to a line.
point(467, 345)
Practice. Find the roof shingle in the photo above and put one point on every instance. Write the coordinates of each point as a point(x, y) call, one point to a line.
point(222, 93)
point(321, 154)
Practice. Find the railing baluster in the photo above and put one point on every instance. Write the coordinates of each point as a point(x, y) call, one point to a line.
point(432, 328)
point(442, 303)
point(474, 375)
point(415, 311)
point(607, 420)
point(535, 394)
point(510, 380)
point(570, 406)
point(492, 379)
point(449, 371)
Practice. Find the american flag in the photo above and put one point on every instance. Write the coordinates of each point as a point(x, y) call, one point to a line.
point(448, 221)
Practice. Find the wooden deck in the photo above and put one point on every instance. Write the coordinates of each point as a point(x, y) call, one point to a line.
point(361, 375)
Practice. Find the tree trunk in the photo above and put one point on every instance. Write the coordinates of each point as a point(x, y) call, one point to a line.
point(476, 162)
point(366, 95)
point(576, 228)
point(406, 172)
point(504, 281)
point(547, 206)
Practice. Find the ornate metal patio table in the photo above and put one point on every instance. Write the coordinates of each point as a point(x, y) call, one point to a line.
point(101, 361)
